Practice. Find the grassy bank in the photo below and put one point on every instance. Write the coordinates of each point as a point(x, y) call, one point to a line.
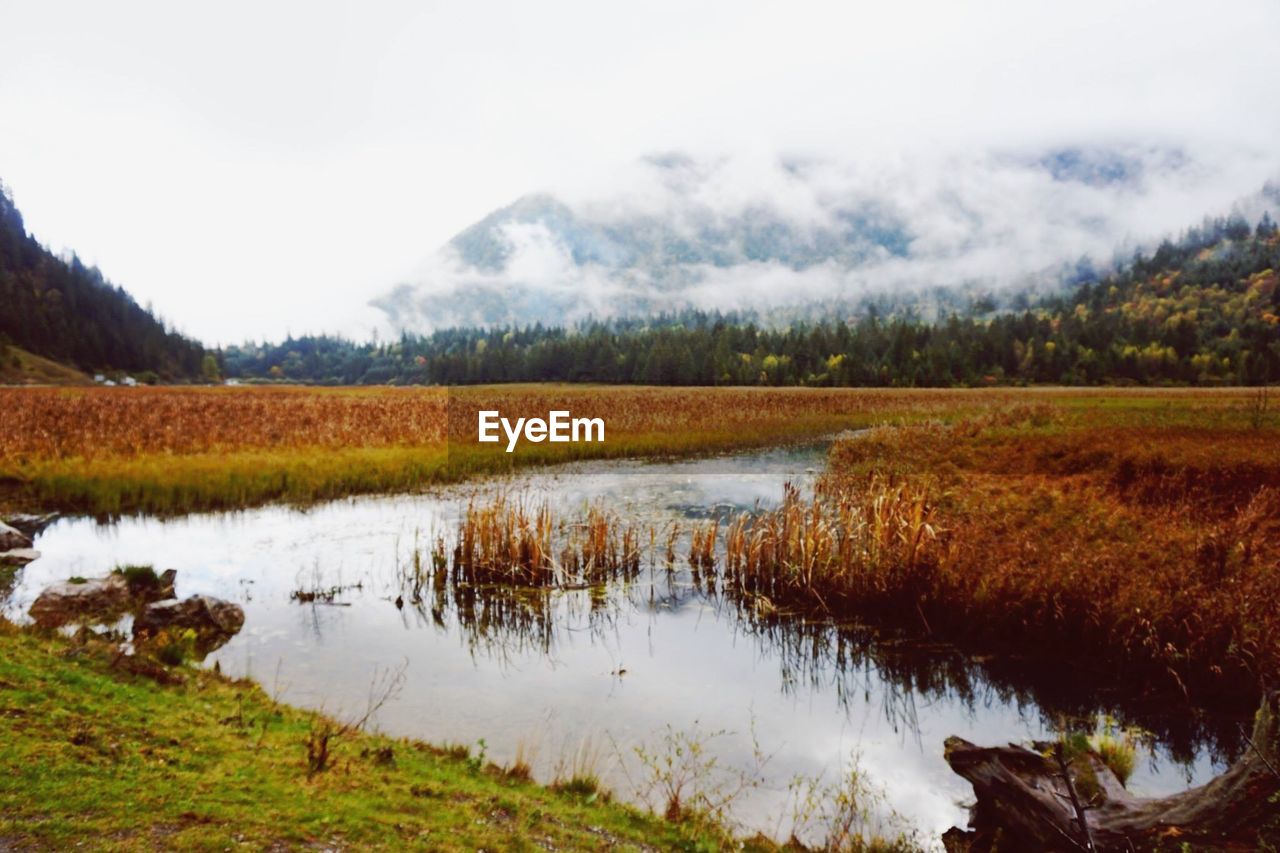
point(19, 367)
point(165, 450)
point(91, 753)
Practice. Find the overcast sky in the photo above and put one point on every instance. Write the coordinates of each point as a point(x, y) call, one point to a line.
point(258, 168)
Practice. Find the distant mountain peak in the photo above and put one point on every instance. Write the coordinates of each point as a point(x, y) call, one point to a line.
point(1101, 166)
point(732, 233)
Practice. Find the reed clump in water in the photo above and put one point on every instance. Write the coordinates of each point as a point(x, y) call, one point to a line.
point(505, 541)
point(702, 551)
point(601, 547)
point(873, 544)
point(510, 541)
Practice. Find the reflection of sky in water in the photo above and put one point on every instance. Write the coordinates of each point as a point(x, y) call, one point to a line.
point(688, 661)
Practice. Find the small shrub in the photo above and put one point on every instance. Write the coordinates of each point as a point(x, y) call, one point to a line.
point(518, 770)
point(318, 737)
point(686, 781)
point(521, 767)
point(173, 647)
point(582, 786)
point(140, 579)
point(456, 751)
point(382, 756)
point(849, 814)
point(1118, 748)
point(578, 774)
point(476, 759)
point(384, 686)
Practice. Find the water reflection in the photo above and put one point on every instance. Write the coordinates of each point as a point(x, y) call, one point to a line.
point(845, 660)
point(621, 660)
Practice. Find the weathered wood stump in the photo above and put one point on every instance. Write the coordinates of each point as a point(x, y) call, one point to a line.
point(1025, 800)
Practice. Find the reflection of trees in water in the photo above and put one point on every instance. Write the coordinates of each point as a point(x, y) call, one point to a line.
point(670, 590)
point(856, 663)
point(501, 623)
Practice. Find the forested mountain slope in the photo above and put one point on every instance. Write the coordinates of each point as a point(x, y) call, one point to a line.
point(65, 311)
point(1199, 311)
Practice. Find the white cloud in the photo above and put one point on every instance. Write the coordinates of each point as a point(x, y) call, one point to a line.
point(253, 168)
point(749, 232)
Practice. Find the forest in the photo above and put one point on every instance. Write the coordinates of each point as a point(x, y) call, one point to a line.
point(63, 310)
point(1201, 310)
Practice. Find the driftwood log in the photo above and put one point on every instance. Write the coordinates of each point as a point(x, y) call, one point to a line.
point(1037, 800)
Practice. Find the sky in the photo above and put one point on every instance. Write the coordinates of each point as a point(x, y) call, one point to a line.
point(257, 169)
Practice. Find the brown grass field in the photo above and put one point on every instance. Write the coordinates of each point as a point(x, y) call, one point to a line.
point(111, 450)
point(167, 450)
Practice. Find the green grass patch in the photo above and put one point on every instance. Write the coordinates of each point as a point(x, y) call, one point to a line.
point(91, 754)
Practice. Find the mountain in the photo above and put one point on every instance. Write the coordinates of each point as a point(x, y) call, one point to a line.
point(811, 238)
point(1201, 310)
point(62, 310)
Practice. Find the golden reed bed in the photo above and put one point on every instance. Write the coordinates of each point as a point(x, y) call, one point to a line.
point(104, 450)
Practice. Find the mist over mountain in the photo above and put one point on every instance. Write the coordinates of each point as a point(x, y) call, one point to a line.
point(813, 237)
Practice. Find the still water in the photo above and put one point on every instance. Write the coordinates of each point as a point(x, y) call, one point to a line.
point(598, 672)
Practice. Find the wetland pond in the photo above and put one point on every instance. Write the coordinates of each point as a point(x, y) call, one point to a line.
point(596, 672)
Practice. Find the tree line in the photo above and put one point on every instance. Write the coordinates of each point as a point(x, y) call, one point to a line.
point(1200, 310)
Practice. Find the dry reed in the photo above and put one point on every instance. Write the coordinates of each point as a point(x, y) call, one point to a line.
point(507, 540)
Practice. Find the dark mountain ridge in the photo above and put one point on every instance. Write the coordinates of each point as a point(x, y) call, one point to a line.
point(63, 310)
